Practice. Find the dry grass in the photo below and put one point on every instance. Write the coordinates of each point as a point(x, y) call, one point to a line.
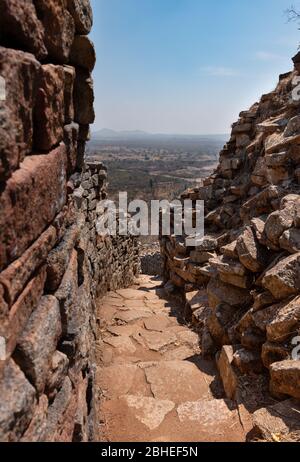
point(291, 437)
point(279, 438)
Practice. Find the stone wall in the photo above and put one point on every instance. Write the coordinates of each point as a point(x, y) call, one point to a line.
point(53, 263)
point(151, 260)
point(241, 284)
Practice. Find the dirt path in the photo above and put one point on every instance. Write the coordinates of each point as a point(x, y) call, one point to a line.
point(153, 385)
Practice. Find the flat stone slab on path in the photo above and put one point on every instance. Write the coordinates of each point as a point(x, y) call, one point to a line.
point(178, 381)
point(153, 384)
point(157, 323)
point(122, 344)
point(158, 341)
point(207, 412)
point(132, 294)
point(117, 380)
point(133, 315)
point(150, 411)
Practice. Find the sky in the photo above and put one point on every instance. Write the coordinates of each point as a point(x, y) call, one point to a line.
point(187, 66)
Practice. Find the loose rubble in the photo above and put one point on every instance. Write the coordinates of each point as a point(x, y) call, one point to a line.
point(246, 271)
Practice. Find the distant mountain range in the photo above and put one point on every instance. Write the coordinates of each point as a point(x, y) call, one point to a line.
point(108, 134)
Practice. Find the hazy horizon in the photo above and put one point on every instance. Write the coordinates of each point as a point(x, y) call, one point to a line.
point(145, 132)
point(186, 67)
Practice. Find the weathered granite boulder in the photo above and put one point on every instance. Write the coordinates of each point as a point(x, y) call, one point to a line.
point(279, 142)
point(69, 78)
point(290, 240)
point(38, 341)
point(283, 279)
point(20, 25)
point(293, 127)
point(59, 28)
point(273, 353)
point(21, 72)
point(17, 403)
point(279, 321)
point(35, 433)
point(277, 422)
point(49, 109)
point(71, 142)
point(15, 277)
point(25, 213)
point(232, 272)
point(277, 223)
point(251, 253)
point(15, 321)
point(259, 204)
point(84, 98)
point(83, 53)
point(58, 259)
point(262, 300)
point(227, 371)
point(285, 378)
point(219, 323)
point(67, 295)
point(82, 14)
point(247, 362)
point(285, 321)
point(58, 370)
point(220, 292)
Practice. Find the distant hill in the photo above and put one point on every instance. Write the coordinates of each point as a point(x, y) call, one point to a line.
point(108, 134)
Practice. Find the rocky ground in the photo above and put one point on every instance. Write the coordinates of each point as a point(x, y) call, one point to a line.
point(153, 384)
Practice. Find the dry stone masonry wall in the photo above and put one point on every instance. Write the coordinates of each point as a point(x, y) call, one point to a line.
point(53, 263)
point(241, 284)
point(151, 259)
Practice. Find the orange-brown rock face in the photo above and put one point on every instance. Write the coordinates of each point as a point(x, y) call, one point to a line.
point(53, 263)
point(19, 24)
point(16, 112)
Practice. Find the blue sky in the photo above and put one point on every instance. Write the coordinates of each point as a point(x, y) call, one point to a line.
point(187, 66)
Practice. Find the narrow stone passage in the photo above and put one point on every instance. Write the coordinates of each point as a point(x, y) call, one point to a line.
point(152, 383)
